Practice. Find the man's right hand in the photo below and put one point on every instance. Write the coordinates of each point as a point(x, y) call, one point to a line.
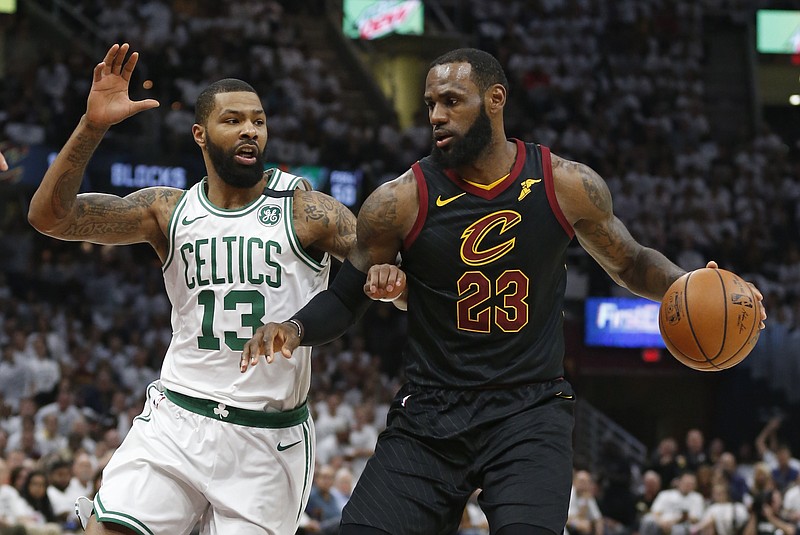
point(108, 101)
point(268, 340)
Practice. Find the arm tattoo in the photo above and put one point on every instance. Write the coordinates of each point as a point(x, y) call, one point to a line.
point(345, 236)
point(335, 223)
point(600, 197)
point(377, 218)
point(609, 241)
point(68, 184)
point(317, 213)
point(94, 228)
point(64, 194)
point(109, 216)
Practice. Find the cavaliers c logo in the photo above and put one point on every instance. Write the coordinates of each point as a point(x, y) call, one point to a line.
point(473, 235)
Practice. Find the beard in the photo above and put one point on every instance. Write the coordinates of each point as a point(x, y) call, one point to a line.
point(465, 151)
point(231, 172)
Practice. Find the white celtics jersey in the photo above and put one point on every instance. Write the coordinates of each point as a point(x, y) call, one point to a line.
point(227, 273)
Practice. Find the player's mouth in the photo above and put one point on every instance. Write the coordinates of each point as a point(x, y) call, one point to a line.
point(442, 139)
point(246, 154)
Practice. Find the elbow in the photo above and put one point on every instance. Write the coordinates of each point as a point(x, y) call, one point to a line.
point(41, 220)
point(37, 220)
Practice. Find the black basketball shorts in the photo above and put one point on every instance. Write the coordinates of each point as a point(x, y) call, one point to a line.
point(440, 445)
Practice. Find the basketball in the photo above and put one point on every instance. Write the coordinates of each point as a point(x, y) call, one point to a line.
point(709, 319)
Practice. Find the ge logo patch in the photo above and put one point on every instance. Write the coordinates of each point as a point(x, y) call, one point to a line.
point(269, 215)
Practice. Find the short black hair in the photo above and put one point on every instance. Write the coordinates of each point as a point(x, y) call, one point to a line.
point(486, 70)
point(205, 102)
point(57, 464)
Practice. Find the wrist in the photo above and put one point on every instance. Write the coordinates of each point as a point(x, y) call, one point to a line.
point(297, 325)
point(92, 125)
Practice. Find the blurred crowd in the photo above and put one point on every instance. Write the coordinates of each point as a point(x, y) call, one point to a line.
point(617, 85)
point(692, 488)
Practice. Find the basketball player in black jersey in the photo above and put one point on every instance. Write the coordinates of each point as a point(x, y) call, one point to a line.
point(482, 225)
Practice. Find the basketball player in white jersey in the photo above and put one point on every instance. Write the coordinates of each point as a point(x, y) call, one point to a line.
point(232, 451)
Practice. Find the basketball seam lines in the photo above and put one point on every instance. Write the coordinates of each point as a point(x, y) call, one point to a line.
point(724, 321)
point(689, 320)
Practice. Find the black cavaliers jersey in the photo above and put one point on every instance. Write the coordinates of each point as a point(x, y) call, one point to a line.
point(486, 276)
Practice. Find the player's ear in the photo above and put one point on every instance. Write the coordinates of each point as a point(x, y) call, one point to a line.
point(199, 134)
point(495, 99)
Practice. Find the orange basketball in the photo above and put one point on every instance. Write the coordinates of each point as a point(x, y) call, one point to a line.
point(709, 319)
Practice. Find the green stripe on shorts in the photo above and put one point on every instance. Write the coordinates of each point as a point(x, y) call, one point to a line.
point(116, 517)
point(234, 415)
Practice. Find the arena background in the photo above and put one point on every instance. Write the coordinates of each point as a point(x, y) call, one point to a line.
point(694, 129)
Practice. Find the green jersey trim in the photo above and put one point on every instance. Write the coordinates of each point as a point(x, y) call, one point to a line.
point(116, 517)
point(223, 212)
point(307, 444)
point(273, 179)
point(234, 415)
point(172, 228)
point(294, 242)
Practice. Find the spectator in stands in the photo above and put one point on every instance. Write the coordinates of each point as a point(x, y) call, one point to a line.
point(665, 461)
point(762, 480)
point(362, 439)
point(25, 440)
point(137, 373)
point(16, 379)
point(59, 474)
point(63, 407)
point(724, 516)
point(784, 474)
point(766, 516)
point(695, 454)
point(674, 510)
point(79, 439)
point(12, 512)
point(322, 504)
point(45, 369)
point(651, 486)
point(727, 470)
point(34, 492)
point(342, 486)
point(584, 516)
point(83, 476)
point(49, 440)
point(791, 503)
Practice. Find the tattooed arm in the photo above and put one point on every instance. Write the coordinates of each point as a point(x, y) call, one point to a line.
point(323, 223)
point(586, 202)
point(56, 208)
point(385, 219)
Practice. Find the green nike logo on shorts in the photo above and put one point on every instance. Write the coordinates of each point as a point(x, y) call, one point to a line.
point(281, 447)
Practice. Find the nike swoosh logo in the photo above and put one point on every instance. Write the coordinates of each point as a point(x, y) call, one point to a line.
point(281, 447)
point(442, 202)
point(190, 221)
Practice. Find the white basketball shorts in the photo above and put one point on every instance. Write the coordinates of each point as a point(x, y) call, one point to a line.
point(188, 460)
